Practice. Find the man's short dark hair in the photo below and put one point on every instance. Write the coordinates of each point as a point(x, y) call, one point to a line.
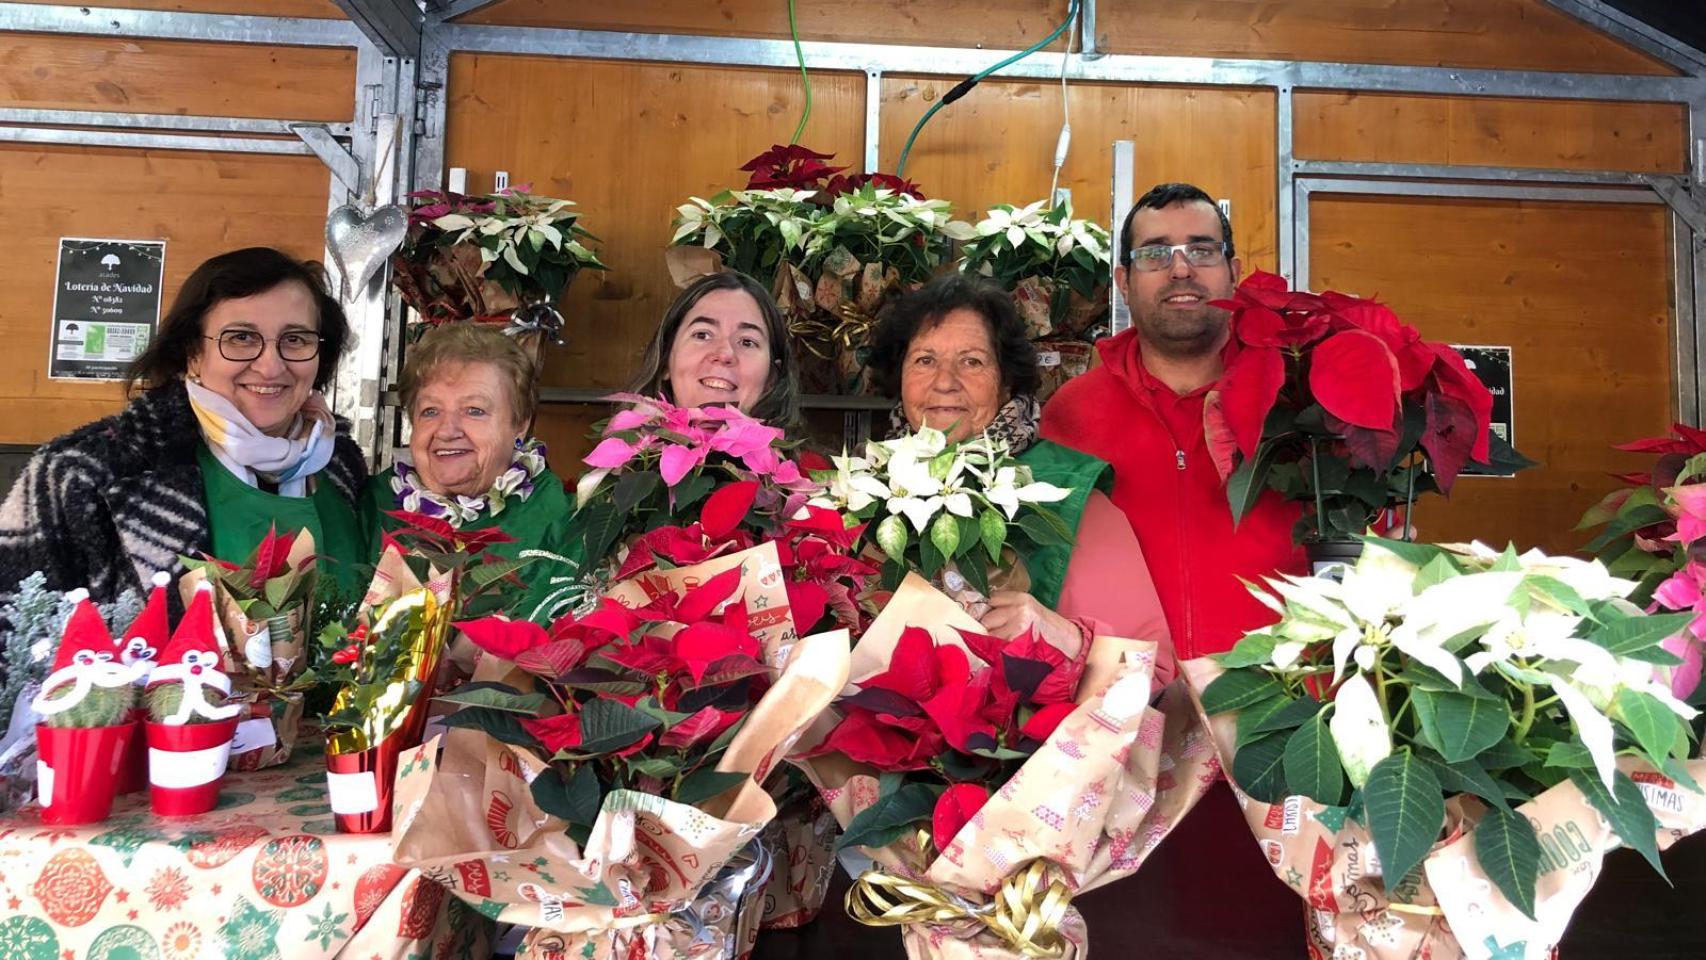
point(1165, 195)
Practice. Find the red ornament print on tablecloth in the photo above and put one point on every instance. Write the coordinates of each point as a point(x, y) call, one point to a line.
point(372, 889)
point(168, 889)
point(181, 941)
point(224, 848)
point(289, 871)
point(420, 909)
point(72, 888)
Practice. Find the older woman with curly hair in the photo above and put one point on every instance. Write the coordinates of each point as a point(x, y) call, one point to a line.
point(955, 355)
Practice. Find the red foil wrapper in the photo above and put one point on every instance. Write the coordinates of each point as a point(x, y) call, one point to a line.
point(359, 784)
point(186, 764)
point(77, 771)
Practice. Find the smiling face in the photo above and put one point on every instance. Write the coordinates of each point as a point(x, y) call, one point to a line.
point(464, 428)
point(951, 378)
point(267, 390)
point(1169, 307)
point(721, 353)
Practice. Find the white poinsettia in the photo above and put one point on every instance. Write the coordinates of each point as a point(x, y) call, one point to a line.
point(1359, 729)
point(1011, 223)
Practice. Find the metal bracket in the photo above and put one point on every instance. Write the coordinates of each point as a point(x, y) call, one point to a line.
point(450, 9)
point(426, 95)
point(1676, 192)
point(1087, 30)
point(1609, 20)
point(333, 154)
point(392, 25)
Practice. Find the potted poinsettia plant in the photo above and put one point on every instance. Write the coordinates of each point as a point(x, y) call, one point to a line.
point(1333, 401)
point(833, 248)
point(506, 257)
point(622, 753)
point(961, 511)
point(1057, 267)
point(1451, 711)
point(990, 781)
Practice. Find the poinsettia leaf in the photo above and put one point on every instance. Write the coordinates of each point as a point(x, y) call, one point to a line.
point(1236, 689)
point(1415, 554)
point(663, 768)
point(705, 783)
point(1464, 777)
point(1252, 715)
point(1636, 634)
point(1461, 726)
point(1504, 755)
point(891, 816)
point(1254, 650)
point(880, 700)
point(971, 566)
point(633, 487)
point(1259, 767)
point(554, 795)
point(1290, 716)
point(1625, 808)
point(501, 725)
point(930, 557)
point(552, 660)
point(601, 524)
point(1653, 724)
point(609, 725)
point(1044, 527)
point(1405, 812)
point(601, 681)
point(1024, 675)
point(490, 572)
point(992, 528)
point(727, 507)
point(1509, 852)
point(497, 696)
point(1311, 762)
point(1247, 483)
point(691, 490)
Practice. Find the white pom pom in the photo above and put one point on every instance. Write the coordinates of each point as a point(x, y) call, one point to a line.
point(161, 579)
point(78, 595)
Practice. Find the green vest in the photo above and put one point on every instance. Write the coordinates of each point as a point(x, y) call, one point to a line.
point(539, 523)
point(239, 516)
point(1052, 463)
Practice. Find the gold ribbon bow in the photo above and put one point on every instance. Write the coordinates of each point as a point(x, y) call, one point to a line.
point(853, 329)
point(1026, 913)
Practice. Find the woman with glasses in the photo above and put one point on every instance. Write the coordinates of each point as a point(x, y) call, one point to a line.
point(226, 436)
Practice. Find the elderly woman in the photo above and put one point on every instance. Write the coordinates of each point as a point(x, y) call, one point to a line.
point(723, 341)
point(469, 392)
point(227, 437)
point(955, 354)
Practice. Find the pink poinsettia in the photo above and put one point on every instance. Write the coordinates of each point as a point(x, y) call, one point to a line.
point(1685, 591)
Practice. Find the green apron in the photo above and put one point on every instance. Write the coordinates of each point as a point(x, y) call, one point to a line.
point(1064, 467)
point(239, 516)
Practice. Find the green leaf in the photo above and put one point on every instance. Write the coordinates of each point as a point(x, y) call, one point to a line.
point(634, 487)
point(1438, 570)
point(661, 767)
point(1044, 527)
point(1416, 554)
point(1637, 633)
point(1464, 777)
point(1254, 714)
point(892, 537)
point(1570, 754)
point(556, 796)
point(692, 489)
point(278, 590)
point(500, 725)
point(610, 725)
point(1652, 723)
point(497, 696)
point(1312, 765)
point(1246, 484)
point(1290, 716)
point(1461, 726)
point(1625, 808)
point(1405, 812)
point(1504, 755)
point(972, 567)
point(486, 574)
point(705, 783)
point(1510, 854)
point(1626, 522)
point(1559, 594)
point(586, 796)
point(885, 821)
point(945, 534)
point(1253, 650)
point(1259, 768)
point(1237, 689)
point(992, 528)
point(601, 524)
point(1508, 561)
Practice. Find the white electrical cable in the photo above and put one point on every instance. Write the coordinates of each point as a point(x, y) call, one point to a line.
point(1064, 142)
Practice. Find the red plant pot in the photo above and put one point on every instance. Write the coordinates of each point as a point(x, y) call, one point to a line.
point(133, 764)
point(186, 763)
point(77, 771)
point(358, 786)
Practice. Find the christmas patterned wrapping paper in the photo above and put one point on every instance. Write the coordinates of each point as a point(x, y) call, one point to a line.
point(261, 877)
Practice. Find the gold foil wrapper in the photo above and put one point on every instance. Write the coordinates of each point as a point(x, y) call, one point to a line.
point(421, 624)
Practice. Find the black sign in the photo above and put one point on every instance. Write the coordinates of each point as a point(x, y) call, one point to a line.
point(1492, 365)
point(106, 304)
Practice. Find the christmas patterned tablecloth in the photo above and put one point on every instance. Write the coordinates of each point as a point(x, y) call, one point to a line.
point(264, 876)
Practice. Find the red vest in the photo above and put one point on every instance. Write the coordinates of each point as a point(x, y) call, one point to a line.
point(1169, 488)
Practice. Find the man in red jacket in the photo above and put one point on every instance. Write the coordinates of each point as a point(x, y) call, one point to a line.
point(1141, 410)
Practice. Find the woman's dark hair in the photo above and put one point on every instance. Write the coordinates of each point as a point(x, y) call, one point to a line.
point(905, 318)
point(232, 276)
point(779, 404)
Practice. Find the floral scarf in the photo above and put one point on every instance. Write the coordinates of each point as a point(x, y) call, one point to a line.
point(525, 466)
point(1015, 423)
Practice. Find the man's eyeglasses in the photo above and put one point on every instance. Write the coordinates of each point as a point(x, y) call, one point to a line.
point(242, 346)
point(1159, 256)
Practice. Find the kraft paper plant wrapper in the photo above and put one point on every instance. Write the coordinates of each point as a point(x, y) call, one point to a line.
point(1455, 911)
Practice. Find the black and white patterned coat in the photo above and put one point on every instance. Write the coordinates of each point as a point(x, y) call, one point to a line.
point(110, 503)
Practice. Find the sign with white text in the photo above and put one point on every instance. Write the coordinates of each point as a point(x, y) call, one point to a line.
point(106, 306)
point(1492, 366)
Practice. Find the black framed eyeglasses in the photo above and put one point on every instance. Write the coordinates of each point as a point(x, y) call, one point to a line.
point(1159, 256)
point(242, 346)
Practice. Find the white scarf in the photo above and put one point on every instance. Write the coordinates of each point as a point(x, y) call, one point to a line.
point(252, 455)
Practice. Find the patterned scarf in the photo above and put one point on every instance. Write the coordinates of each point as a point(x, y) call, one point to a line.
point(251, 455)
point(1015, 423)
point(525, 466)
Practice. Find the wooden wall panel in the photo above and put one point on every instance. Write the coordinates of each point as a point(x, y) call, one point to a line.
point(1576, 289)
point(168, 76)
point(312, 9)
point(996, 145)
point(1514, 34)
point(1567, 134)
point(628, 143)
point(200, 204)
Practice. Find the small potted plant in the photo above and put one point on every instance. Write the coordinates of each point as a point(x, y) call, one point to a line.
point(190, 726)
point(85, 708)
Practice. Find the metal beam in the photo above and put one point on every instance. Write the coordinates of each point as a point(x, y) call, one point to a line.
point(150, 141)
point(1635, 32)
point(1285, 171)
point(1087, 31)
point(25, 116)
point(1685, 335)
point(1112, 68)
point(165, 25)
point(1488, 191)
point(1686, 203)
point(392, 25)
point(873, 120)
point(451, 9)
point(333, 154)
point(1450, 171)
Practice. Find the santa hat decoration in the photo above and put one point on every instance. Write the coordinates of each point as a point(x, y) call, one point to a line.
point(84, 631)
point(87, 659)
point(189, 739)
point(148, 634)
point(192, 656)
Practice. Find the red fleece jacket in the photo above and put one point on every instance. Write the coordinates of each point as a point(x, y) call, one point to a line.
point(1168, 487)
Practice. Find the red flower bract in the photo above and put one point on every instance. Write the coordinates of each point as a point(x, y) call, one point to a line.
point(954, 809)
point(561, 732)
point(1355, 378)
point(789, 166)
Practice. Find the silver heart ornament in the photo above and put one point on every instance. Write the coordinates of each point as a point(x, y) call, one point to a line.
point(361, 242)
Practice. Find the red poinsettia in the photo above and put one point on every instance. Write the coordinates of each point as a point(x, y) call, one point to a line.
point(839, 185)
point(1314, 379)
point(792, 166)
